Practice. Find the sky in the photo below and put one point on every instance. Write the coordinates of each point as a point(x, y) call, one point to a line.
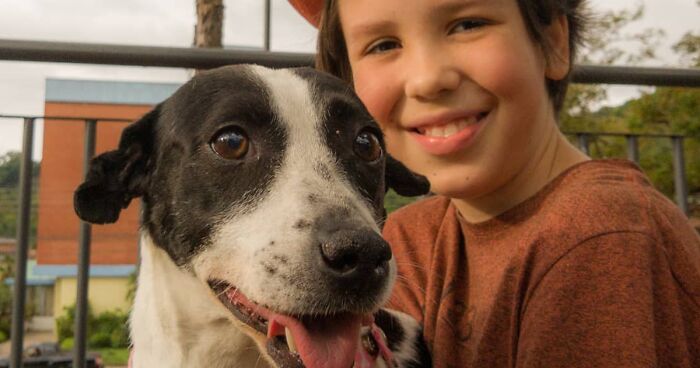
point(171, 23)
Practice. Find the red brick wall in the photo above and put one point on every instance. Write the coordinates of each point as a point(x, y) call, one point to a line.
point(61, 173)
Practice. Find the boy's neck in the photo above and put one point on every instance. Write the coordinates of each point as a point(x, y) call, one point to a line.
point(554, 157)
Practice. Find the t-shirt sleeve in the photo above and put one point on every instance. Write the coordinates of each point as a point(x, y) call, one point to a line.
point(407, 295)
point(596, 306)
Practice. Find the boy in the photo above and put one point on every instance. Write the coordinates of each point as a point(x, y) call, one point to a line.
point(530, 254)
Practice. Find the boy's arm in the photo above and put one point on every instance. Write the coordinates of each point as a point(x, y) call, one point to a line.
point(612, 301)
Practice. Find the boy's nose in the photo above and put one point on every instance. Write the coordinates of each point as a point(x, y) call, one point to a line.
point(431, 75)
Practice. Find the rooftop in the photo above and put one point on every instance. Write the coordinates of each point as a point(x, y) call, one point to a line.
point(108, 92)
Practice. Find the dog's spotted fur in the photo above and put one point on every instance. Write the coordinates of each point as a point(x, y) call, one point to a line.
point(254, 222)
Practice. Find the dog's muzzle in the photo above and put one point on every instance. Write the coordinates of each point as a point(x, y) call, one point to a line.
point(354, 268)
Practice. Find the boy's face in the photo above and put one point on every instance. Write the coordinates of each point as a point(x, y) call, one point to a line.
point(458, 87)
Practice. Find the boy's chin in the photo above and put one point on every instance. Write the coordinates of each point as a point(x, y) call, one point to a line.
point(462, 188)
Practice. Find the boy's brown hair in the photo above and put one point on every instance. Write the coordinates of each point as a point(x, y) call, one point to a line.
point(332, 55)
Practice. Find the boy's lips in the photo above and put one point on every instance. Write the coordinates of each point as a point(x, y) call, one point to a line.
point(448, 133)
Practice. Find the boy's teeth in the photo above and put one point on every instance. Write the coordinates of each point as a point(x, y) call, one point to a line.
point(290, 340)
point(448, 129)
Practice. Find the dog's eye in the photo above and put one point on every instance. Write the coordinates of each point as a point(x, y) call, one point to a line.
point(230, 143)
point(367, 146)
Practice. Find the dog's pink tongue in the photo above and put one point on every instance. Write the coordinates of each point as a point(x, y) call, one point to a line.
point(322, 342)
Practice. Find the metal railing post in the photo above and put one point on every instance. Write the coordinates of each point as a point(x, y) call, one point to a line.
point(632, 147)
point(20, 291)
point(81, 309)
point(679, 174)
point(583, 143)
point(266, 24)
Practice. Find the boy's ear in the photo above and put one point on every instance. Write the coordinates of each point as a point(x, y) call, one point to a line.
point(403, 181)
point(116, 177)
point(558, 54)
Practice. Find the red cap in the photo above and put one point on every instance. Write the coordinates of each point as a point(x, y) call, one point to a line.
point(309, 9)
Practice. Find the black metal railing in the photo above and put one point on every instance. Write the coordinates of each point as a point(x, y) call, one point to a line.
point(22, 246)
point(37, 51)
point(182, 57)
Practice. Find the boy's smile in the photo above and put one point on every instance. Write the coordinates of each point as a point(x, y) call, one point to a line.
point(447, 133)
point(458, 87)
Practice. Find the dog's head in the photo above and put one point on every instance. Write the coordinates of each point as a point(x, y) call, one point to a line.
point(268, 186)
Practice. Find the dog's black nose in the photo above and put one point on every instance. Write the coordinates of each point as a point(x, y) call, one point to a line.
point(356, 256)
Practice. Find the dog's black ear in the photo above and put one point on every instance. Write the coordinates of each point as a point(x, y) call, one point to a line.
point(116, 177)
point(403, 181)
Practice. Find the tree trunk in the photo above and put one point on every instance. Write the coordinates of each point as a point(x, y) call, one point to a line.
point(210, 17)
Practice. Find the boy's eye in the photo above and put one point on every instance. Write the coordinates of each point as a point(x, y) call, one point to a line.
point(382, 46)
point(467, 25)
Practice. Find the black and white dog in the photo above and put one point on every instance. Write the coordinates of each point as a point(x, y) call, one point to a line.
point(263, 198)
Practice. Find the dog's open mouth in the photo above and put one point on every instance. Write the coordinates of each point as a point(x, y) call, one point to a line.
point(298, 341)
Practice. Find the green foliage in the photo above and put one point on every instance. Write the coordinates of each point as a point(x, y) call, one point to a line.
point(106, 330)
point(689, 49)
point(66, 322)
point(607, 42)
point(5, 308)
point(6, 297)
point(131, 287)
point(66, 344)
point(393, 201)
point(3, 337)
point(111, 356)
point(657, 110)
point(100, 339)
point(9, 195)
point(111, 330)
point(10, 168)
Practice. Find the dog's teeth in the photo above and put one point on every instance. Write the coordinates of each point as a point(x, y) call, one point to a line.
point(290, 340)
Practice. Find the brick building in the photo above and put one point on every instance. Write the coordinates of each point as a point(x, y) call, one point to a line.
point(114, 250)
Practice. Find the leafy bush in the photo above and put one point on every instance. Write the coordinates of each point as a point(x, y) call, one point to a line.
point(66, 323)
point(111, 326)
point(3, 336)
point(66, 344)
point(6, 297)
point(111, 356)
point(393, 201)
point(5, 309)
point(106, 330)
point(119, 338)
point(100, 339)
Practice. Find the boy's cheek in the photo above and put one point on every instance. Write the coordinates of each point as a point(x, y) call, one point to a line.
point(503, 76)
point(376, 96)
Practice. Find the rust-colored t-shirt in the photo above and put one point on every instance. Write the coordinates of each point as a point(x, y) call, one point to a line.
point(598, 269)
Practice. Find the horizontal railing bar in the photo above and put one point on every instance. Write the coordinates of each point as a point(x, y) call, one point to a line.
point(111, 120)
point(177, 57)
point(203, 58)
point(647, 76)
point(122, 120)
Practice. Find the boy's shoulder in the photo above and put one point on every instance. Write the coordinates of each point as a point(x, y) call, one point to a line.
point(611, 202)
point(601, 196)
